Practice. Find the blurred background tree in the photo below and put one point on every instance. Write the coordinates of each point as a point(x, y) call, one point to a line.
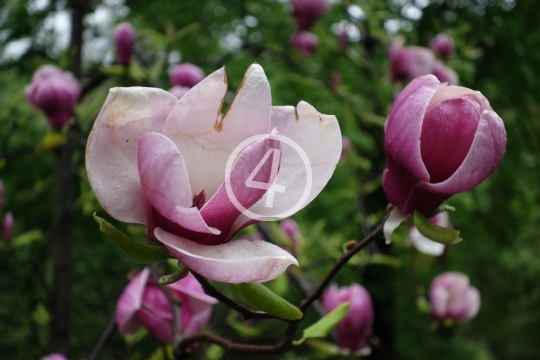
point(497, 54)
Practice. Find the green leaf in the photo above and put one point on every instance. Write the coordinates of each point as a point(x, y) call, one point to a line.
point(138, 252)
point(27, 238)
point(324, 326)
point(434, 232)
point(264, 299)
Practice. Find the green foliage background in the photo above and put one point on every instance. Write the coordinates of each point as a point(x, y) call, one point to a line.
point(497, 54)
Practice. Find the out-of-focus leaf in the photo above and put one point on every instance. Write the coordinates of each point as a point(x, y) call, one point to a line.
point(324, 326)
point(41, 315)
point(27, 238)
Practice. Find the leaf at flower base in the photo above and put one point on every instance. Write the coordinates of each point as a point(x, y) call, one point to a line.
point(138, 252)
point(264, 299)
point(434, 232)
point(324, 326)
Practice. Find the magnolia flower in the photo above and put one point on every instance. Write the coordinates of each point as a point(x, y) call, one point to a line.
point(290, 228)
point(353, 331)
point(443, 45)
point(143, 303)
point(54, 356)
point(305, 42)
point(7, 227)
point(410, 61)
point(307, 12)
point(187, 75)
point(124, 39)
point(425, 245)
point(161, 162)
point(55, 92)
point(179, 91)
point(445, 74)
point(451, 297)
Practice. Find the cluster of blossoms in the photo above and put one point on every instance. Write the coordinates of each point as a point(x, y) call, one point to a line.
point(124, 40)
point(8, 224)
point(183, 77)
point(54, 92)
point(306, 13)
point(408, 62)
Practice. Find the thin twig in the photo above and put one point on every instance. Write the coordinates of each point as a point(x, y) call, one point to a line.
point(210, 290)
point(107, 334)
point(175, 306)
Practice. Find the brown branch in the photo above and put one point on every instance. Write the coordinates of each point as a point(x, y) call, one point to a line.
point(246, 313)
point(109, 331)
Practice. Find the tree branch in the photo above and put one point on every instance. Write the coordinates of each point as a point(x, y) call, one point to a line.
point(109, 331)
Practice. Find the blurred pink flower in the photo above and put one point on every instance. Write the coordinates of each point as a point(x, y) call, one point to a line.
point(158, 161)
point(143, 303)
point(305, 42)
point(354, 330)
point(445, 74)
point(410, 61)
point(8, 224)
point(307, 12)
point(55, 93)
point(443, 45)
point(346, 147)
point(451, 296)
point(124, 39)
point(186, 74)
point(179, 91)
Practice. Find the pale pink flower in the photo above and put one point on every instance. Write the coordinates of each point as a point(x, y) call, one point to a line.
point(186, 74)
point(408, 62)
point(445, 74)
point(451, 297)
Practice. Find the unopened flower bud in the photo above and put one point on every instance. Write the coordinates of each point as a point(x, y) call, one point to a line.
point(443, 45)
point(445, 74)
point(55, 92)
point(440, 140)
point(410, 61)
point(124, 39)
point(290, 228)
point(179, 91)
point(7, 227)
point(186, 74)
point(305, 42)
point(353, 331)
point(307, 12)
point(451, 297)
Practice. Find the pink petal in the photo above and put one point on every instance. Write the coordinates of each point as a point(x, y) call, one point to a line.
point(194, 127)
point(220, 212)
point(165, 183)
point(319, 138)
point(111, 152)
point(160, 328)
point(240, 261)
point(391, 224)
point(130, 302)
point(190, 286)
point(193, 322)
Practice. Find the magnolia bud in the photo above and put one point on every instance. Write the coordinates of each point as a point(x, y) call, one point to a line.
point(290, 228)
point(425, 245)
point(124, 38)
point(179, 91)
point(445, 74)
point(7, 227)
point(451, 297)
point(353, 331)
point(55, 93)
point(411, 61)
point(440, 140)
point(346, 147)
point(443, 45)
point(186, 74)
point(305, 42)
point(307, 12)
point(54, 356)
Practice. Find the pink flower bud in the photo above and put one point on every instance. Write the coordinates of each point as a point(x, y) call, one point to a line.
point(305, 42)
point(179, 91)
point(186, 74)
point(7, 227)
point(443, 45)
point(55, 93)
point(346, 147)
point(440, 140)
point(411, 61)
point(143, 303)
point(353, 331)
point(445, 74)
point(307, 12)
point(451, 297)
point(425, 245)
point(290, 228)
point(124, 39)
point(54, 356)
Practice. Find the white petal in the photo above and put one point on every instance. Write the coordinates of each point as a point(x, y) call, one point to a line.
point(425, 245)
point(239, 261)
point(394, 220)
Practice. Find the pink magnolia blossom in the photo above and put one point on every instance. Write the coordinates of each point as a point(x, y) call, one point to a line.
point(54, 356)
point(158, 161)
point(305, 42)
point(179, 91)
point(124, 39)
point(440, 140)
point(451, 296)
point(307, 12)
point(408, 62)
point(55, 92)
point(354, 330)
point(7, 227)
point(346, 148)
point(186, 74)
point(291, 229)
point(143, 303)
point(445, 74)
point(443, 45)
point(426, 245)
